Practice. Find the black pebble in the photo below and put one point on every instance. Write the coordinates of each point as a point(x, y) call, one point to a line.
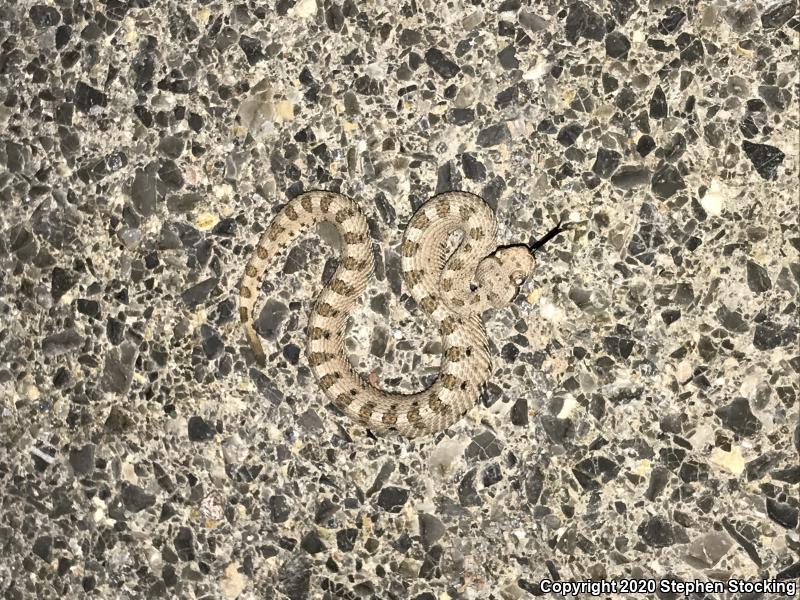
point(672, 20)
point(226, 227)
point(509, 352)
point(492, 474)
point(252, 49)
point(346, 539)
point(658, 104)
point(765, 158)
point(618, 346)
point(645, 145)
point(519, 413)
point(86, 97)
point(115, 330)
point(391, 499)
point(656, 532)
point(593, 471)
point(61, 281)
point(569, 134)
point(757, 278)
point(199, 430)
point(279, 508)
point(483, 446)
point(90, 308)
point(442, 65)
point(291, 352)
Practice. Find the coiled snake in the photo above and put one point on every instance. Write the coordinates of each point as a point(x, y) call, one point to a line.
point(453, 288)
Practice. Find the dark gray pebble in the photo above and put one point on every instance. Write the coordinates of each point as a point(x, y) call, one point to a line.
point(443, 66)
point(657, 532)
point(631, 176)
point(199, 430)
point(87, 97)
point(769, 335)
point(783, 513)
point(667, 181)
point(493, 135)
point(776, 15)
point(391, 498)
point(271, 317)
point(519, 412)
point(44, 16)
point(430, 529)
point(43, 547)
point(184, 544)
point(294, 577)
point(658, 104)
point(62, 342)
point(279, 508)
point(757, 278)
point(582, 21)
point(135, 498)
point(82, 459)
point(199, 293)
point(467, 492)
point(738, 417)
point(483, 446)
point(606, 162)
point(617, 45)
point(311, 543)
point(118, 368)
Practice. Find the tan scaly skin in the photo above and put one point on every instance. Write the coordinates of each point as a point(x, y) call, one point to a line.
point(453, 288)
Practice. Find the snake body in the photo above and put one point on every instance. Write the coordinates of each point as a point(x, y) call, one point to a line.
point(453, 288)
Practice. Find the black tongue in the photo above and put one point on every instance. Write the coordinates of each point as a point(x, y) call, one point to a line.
point(549, 236)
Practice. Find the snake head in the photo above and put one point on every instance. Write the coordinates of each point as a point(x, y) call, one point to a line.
point(500, 275)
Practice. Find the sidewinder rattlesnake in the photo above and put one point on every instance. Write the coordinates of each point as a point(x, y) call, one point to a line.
point(453, 288)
